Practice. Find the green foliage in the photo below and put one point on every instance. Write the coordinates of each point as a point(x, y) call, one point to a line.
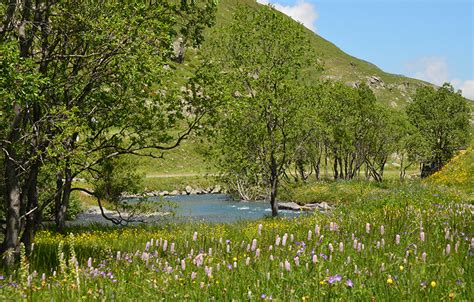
point(442, 118)
point(116, 176)
point(260, 59)
point(75, 207)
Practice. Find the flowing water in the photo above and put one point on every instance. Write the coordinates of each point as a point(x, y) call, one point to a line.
point(220, 208)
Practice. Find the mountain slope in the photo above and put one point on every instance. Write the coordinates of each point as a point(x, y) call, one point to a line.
point(393, 90)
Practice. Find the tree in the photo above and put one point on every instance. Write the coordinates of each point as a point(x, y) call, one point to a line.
point(442, 118)
point(105, 92)
point(261, 55)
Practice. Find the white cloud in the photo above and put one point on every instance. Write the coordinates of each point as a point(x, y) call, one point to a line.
point(302, 11)
point(430, 69)
point(467, 88)
point(436, 70)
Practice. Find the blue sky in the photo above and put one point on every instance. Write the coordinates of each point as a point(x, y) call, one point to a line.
point(432, 40)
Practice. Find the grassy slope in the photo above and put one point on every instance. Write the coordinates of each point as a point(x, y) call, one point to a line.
point(458, 173)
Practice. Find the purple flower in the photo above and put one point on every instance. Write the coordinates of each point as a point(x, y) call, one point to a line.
point(2, 278)
point(263, 296)
point(324, 256)
point(458, 282)
point(349, 283)
point(335, 278)
point(229, 266)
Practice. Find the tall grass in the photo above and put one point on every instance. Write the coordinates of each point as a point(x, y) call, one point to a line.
point(408, 244)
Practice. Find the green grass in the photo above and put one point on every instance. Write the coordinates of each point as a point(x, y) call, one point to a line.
point(179, 183)
point(458, 173)
point(379, 267)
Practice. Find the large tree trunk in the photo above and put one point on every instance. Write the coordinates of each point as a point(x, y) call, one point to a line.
point(62, 202)
point(341, 168)
point(273, 197)
point(11, 243)
point(274, 185)
point(33, 213)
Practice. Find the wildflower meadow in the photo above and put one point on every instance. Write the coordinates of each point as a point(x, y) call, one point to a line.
point(384, 250)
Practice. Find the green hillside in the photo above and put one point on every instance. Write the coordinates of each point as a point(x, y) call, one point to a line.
point(393, 90)
point(458, 173)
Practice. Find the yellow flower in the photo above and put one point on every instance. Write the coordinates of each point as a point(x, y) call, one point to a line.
point(452, 295)
point(433, 284)
point(389, 281)
point(322, 282)
point(401, 268)
point(235, 258)
point(305, 298)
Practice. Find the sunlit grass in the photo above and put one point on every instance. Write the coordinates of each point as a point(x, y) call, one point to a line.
point(413, 243)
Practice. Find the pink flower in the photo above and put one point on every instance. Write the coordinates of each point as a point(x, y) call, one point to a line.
point(199, 260)
point(367, 228)
point(193, 275)
point(277, 240)
point(382, 230)
point(397, 239)
point(260, 227)
point(195, 236)
point(208, 271)
point(287, 265)
point(254, 245)
point(297, 261)
point(183, 264)
point(309, 235)
point(315, 259)
point(285, 237)
point(448, 249)
point(341, 247)
point(172, 248)
point(257, 253)
point(331, 248)
point(422, 236)
point(423, 256)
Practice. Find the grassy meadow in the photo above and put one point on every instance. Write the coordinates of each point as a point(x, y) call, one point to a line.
point(389, 241)
point(396, 243)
